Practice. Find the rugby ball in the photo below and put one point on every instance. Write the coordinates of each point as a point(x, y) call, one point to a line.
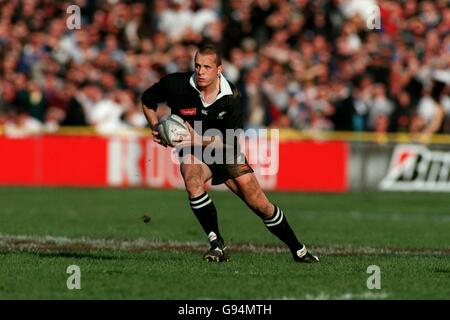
point(172, 129)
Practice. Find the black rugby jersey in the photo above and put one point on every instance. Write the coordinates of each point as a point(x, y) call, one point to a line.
point(179, 92)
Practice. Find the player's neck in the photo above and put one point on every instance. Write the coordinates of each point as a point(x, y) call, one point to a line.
point(211, 91)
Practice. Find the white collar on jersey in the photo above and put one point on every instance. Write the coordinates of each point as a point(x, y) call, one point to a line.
point(225, 89)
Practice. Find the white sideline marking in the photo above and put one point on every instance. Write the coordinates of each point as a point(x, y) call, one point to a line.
point(55, 243)
point(343, 296)
point(348, 296)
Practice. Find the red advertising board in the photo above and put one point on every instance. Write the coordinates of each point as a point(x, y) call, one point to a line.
point(138, 161)
point(53, 160)
point(313, 166)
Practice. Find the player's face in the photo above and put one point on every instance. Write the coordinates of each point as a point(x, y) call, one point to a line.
point(206, 70)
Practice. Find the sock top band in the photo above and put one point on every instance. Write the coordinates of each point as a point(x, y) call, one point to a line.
point(199, 197)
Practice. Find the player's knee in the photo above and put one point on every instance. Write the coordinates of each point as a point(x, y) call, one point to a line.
point(194, 186)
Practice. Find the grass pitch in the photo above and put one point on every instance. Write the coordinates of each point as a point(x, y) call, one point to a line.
point(146, 244)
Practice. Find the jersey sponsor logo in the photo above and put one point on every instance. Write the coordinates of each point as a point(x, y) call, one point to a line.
point(188, 111)
point(416, 168)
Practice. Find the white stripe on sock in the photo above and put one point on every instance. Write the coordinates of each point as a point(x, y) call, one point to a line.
point(199, 200)
point(273, 218)
point(276, 222)
point(202, 205)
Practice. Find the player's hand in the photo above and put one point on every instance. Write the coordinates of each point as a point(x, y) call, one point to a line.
point(156, 137)
point(193, 138)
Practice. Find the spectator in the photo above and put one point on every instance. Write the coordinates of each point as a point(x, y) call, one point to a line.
point(81, 106)
point(107, 114)
point(401, 119)
point(175, 20)
point(20, 124)
point(343, 102)
point(205, 15)
point(321, 110)
point(380, 110)
point(431, 114)
point(255, 101)
point(32, 101)
point(298, 50)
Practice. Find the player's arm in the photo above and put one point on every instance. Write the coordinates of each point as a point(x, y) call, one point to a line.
point(150, 99)
point(233, 120)
point(152, 119)
point(197, 139)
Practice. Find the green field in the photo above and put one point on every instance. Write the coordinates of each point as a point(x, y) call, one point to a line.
point(45, 230)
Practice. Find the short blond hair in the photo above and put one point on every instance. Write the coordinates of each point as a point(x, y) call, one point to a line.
point(211, 49)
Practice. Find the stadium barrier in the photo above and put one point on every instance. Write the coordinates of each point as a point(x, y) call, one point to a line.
point(330, 162)
point(400, 167)
point(54, 160)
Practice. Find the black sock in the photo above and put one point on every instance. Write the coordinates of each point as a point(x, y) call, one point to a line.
point(279, 226)
point(206, 214)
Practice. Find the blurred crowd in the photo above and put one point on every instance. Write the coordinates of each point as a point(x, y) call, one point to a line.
point(346, 65)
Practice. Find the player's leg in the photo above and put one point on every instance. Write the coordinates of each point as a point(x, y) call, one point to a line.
point(195, 174)
point(252, 195)
point(248, 189)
